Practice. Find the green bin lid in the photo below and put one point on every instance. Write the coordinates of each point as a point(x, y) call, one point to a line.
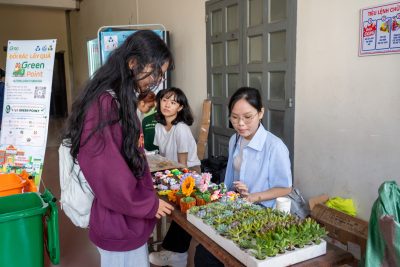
point(21, 205)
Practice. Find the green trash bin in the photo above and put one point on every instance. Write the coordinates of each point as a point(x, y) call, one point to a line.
point(23, 218)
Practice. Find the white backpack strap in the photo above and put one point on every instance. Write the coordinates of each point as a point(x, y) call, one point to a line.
point(112, 93)
point(65, 166)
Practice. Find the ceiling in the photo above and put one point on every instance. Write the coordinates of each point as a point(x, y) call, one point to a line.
point(59, 4)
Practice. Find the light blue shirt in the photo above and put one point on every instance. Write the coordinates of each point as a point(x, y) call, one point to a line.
point(265, 163)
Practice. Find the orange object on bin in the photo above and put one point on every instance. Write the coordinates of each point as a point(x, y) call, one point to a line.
point(30, 182)
point(11, 183)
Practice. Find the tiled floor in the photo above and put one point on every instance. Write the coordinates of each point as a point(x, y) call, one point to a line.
point(76, 249)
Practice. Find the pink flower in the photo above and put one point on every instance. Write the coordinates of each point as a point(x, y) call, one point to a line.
point(215, 195)
point(203, 188)
point(206, 178)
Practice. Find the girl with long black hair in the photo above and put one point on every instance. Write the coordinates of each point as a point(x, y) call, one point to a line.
point(105, 137)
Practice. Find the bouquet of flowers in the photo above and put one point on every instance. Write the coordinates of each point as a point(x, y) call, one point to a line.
point(167, 180)
point(188, 189)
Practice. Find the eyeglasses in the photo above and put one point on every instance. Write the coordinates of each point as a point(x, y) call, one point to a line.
point(247, 119)
point(155, 77)
point(156, 81)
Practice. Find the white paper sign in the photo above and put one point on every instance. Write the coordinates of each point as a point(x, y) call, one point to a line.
point(29, 75)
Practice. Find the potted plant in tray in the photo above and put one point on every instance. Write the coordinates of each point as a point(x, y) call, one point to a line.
point(202, 198)
point(187, 188)
point(202, 194)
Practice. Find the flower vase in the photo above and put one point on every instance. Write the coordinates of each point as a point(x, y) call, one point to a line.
point(178, 199)
point(200, 201)
point(185, 204)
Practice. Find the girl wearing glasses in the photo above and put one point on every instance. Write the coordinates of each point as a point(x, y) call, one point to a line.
point(258, 164)
point(175, 142)
point(104, 134)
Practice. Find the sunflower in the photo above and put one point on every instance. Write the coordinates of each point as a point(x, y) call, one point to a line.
point(187, 186)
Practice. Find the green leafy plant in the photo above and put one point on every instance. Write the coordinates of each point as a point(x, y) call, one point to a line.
point(203, 195)
point(188, 199)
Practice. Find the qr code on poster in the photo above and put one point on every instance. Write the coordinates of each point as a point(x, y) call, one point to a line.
point(40, 92)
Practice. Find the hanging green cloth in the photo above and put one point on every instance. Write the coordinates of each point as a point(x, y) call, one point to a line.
point(383, 245)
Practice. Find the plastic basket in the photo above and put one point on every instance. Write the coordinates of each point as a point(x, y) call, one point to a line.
point(10, 184)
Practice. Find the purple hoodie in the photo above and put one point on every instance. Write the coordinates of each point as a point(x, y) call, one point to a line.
point(124, 208)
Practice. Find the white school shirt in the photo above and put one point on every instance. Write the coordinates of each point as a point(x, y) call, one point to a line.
point(178, 139)
point(265, 163)
point(237, 161)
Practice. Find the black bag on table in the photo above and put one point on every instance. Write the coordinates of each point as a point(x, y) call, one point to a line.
point(216, 166)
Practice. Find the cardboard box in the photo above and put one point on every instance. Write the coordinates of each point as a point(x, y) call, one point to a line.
point(352, 232)
point(204, 128)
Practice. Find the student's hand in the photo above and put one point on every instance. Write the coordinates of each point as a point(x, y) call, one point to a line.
point(253, 198)
point(164, 208)
point(241, 188)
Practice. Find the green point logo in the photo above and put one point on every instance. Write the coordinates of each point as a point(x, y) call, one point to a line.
point(18, 70)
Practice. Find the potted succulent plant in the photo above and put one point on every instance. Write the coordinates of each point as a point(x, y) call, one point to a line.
point(202, 198)
point(178, 196)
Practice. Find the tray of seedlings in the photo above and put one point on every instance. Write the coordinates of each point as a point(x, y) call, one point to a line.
point(258, 236)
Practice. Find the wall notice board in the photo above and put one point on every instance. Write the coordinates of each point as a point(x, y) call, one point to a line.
point(380, 30)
